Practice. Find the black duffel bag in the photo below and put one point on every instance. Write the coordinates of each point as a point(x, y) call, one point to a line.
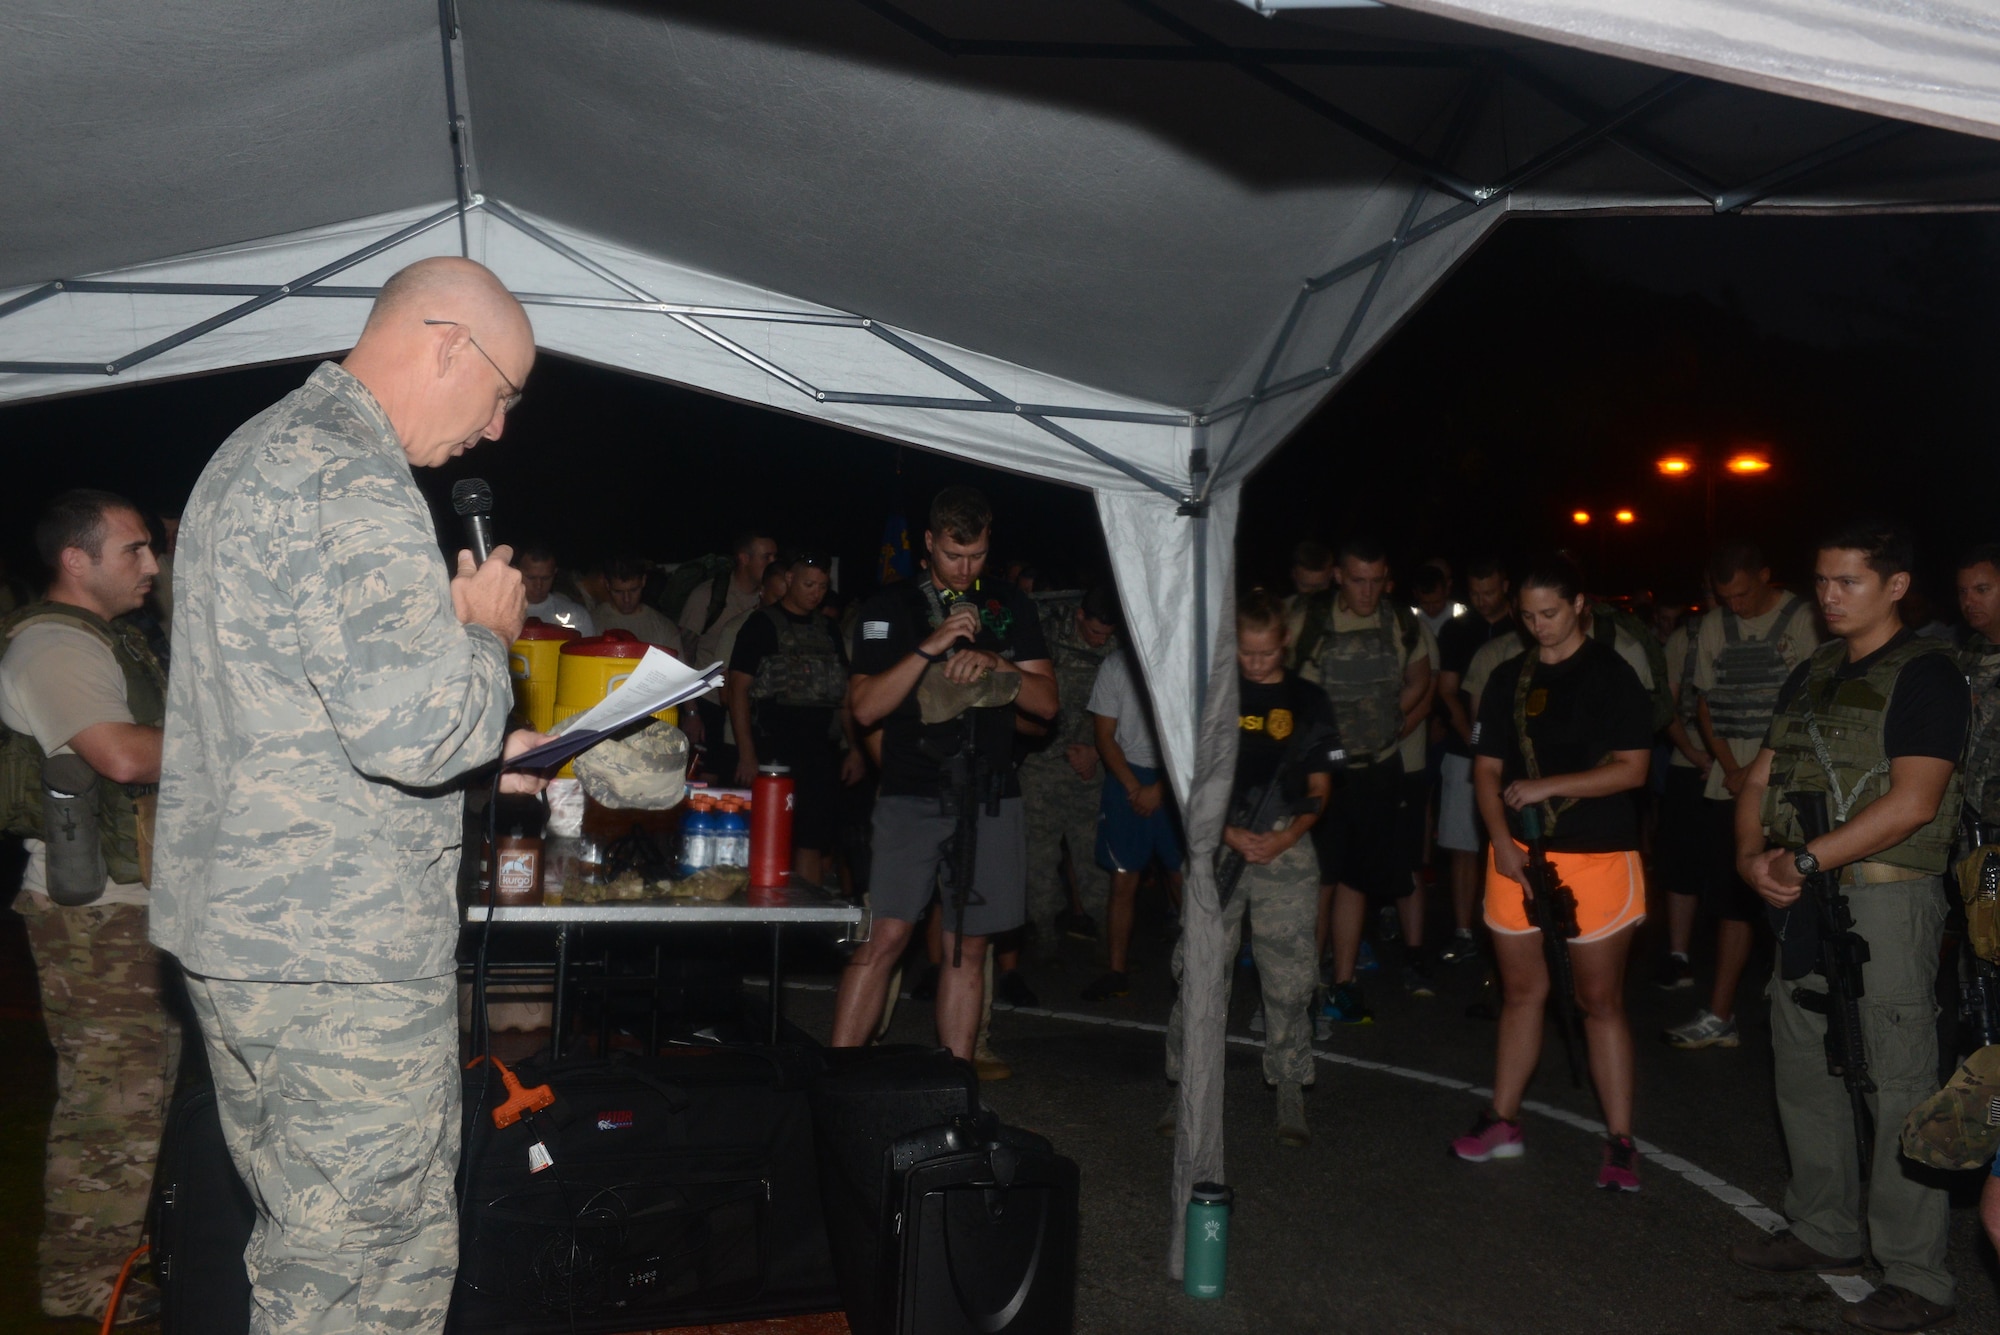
point(655, 1192)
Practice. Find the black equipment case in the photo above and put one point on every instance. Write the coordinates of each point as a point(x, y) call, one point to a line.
point(942, 1221)
point(200, 1222)
point(680, 1189)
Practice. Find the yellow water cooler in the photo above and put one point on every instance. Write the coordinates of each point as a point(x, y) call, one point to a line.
point(535, 660)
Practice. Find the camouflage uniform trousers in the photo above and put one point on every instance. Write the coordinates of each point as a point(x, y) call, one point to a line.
point(1061, 807)
point(340, 1104)
point(116, 1054)
point(1282, 898)
point(1908, 1220)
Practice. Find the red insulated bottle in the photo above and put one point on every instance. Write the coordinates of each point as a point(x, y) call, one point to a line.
point(771, 827)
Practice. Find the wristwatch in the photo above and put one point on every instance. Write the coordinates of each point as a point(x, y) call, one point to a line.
point(1807, 864)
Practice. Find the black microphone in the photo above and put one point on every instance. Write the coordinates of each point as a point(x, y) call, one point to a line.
point(473, 500)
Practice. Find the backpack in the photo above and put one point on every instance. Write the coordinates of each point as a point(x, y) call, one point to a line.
point(713, 570)
point(1606, 622)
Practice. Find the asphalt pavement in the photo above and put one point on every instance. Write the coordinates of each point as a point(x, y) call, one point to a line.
point(1373, 1227)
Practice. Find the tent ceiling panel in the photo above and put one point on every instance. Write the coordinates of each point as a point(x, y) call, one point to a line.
point(1129, 225)
point(1936, 62)
point(136, 132)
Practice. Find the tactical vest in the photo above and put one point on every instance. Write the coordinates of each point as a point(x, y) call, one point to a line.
point(1980, 660)
point(806, 671)
point(1076, 666)
point(1748, 676)
point(1361, 671)
point(1828, 739)
point(125, 811)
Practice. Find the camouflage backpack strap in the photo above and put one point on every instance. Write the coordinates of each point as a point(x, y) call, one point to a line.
point(1312, 631)
point(718, 598)
point(1528, 703)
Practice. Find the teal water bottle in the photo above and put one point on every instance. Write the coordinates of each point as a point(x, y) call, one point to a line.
point(1205, 1268)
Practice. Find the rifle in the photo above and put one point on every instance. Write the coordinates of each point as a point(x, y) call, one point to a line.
point(1840, 953)
point(1260, 809)
point(1551, 907)
point(970, 783)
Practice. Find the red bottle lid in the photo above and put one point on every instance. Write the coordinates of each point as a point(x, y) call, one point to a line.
point(537, 629)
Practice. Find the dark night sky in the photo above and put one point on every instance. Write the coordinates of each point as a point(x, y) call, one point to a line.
point(1545, 375)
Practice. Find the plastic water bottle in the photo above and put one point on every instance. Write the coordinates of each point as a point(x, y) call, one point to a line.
point(697, 838)
point(732, 836)
point(1205, 1266)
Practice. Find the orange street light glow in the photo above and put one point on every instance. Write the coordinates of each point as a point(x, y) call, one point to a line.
point(1748, 463)
point(1625, 517)
point(1675, 465)
point(1579, 517)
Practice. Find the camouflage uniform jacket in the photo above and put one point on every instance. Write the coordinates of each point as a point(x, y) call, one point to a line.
point(1979, 659)
point(324, 698)
point(1076, 665)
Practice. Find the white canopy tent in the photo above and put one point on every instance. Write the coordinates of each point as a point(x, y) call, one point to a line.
point(1127, 245)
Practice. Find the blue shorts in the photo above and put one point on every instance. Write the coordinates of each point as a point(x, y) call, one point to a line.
point(1127, 841)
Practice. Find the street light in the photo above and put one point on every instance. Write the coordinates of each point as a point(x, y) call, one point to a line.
point(1626, 517)
point(1579, 517)
point(1682, 463)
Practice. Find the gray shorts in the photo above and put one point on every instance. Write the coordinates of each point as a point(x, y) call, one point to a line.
point(910, 838)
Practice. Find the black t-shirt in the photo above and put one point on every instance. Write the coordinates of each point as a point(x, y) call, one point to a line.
point(785, 734)
point(1579, 710)
point(1269, 715)
point(1457, 643)
point(892, 624)
point(1929, 711)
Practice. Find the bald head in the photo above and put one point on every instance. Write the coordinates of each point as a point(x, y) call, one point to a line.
point(444, 351)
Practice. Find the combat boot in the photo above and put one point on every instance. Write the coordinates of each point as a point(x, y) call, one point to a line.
point(1292, 1128)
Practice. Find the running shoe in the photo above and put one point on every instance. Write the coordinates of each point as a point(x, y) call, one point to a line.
point(1257, 1019)
point(1388, 926)
point(1076, 926)
point(1675, 972)
point(1417, 979)
point(1108, 985)
point(1365, 961)
point(1322, 1027)
point(1345, 1006)
point(1706, 1030)
point(1491, 1137)
point(1462, 946)
point(1621, 1165)
point(1013, 989)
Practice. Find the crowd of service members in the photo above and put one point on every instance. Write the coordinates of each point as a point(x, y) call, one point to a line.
point(1389, 740)
point(1652, 746)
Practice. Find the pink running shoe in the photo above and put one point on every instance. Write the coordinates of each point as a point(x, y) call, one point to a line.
point(1491, 1137)
point(1621, 1165)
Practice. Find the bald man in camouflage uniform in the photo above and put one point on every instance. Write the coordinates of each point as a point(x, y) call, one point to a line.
point(1060, 782)
point(332, 684)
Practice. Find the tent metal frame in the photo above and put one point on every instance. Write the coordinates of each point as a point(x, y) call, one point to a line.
point(1597, 125)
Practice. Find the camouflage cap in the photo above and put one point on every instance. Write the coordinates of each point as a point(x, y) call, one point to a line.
point(645, 771)
point(1958, 1127)
point(941, 700)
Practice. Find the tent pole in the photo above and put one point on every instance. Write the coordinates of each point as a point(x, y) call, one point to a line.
point(447, 36)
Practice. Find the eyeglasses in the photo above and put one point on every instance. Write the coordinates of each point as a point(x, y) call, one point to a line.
point(514, 395)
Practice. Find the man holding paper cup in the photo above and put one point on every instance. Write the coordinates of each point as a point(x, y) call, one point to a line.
point(333, 684)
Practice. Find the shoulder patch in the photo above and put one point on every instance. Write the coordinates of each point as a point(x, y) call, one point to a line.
point(874, 630)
